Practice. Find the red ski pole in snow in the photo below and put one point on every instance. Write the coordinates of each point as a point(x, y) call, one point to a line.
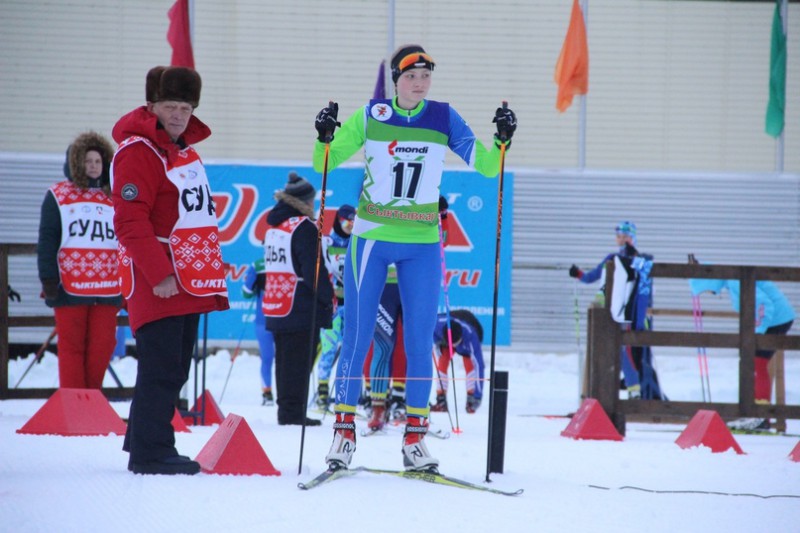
point(457, 428)
point(702, 356)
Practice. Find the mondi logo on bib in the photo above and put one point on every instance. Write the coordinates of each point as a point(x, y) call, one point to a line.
point(395, 148)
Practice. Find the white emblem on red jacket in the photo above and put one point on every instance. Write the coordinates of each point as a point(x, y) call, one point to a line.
point(194, 241)
point(87, 257)
point(281, 283)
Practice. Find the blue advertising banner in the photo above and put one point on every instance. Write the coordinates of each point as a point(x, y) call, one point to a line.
point(244, 195)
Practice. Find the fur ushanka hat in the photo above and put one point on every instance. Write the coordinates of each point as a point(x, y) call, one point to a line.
point(180, 84)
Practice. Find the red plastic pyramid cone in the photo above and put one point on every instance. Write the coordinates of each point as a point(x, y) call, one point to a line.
point(795, 454)
point(213, 412)
point(75, 412)
point(178, 424)
point(234, 449)
point(706, 428)
point(591, 423)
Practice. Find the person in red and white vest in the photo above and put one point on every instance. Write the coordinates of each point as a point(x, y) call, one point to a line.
point(171, 266)
point(290, 259)
point(77, 262)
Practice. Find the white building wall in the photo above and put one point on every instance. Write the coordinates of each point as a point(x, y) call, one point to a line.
point(673, 85)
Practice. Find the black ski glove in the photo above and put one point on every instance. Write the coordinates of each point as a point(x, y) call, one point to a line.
point(443, 206)
point(13, 295)
point(506, 122)
point(50, 289)
point(326, 122)
point(575, 272)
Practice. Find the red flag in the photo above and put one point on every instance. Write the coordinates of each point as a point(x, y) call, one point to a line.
point(179, 36)
point(572, 67)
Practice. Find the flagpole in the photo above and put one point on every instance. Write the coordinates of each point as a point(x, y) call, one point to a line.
point(779, 146)
point(582, 105)
point(191, 25)
point(389, 50)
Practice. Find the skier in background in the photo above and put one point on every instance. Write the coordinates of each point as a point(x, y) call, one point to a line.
point(467, 336)
point(774, 316)
point(386, 361)
point(253, 288)
point(639, 374)
point(335, 246)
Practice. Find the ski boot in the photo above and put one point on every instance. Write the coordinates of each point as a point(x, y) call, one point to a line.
point(397, 407)
point(749, 424)
point(378, 416)
point(441, 403)
point(322, 395)
point(472, 402)
point(416, 456)
point(266, 396)
point(364, 401)
point(344, 442)
point(635, 392)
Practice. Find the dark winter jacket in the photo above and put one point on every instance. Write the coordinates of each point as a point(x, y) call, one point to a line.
point(304, 257)
point(50, 221)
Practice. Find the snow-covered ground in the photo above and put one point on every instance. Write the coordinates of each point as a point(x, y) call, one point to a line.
point(645, 483)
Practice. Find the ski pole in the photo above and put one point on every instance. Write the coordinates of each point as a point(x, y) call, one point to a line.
point(320, 229)
point(578, 338)
point(441, 385)
point(233, 360)
point(114, 376)
point(37, 357)
point(456, 429)
point(500, 178)
point(702, 356)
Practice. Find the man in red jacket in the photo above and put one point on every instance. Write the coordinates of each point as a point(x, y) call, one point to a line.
point(171, 266)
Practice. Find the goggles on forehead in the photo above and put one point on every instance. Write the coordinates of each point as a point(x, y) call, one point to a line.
point(625, 229)
point(415, 60)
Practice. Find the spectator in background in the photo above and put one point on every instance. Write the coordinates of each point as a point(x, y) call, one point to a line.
point(293, 264)
point(77, 261)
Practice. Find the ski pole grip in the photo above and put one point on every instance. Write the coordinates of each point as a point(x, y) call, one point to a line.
point(503, 133)
point(332, 111)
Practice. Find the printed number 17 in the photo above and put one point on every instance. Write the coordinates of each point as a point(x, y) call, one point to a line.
point(400, 170)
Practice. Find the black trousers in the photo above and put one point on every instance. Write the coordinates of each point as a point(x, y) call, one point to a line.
point(292, 371)
point(164, 351)
point(780, 329)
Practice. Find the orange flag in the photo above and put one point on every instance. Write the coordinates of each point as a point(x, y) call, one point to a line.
point(178, 35)
point(572, 67)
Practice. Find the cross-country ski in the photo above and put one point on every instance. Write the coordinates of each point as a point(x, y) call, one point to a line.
point(426, 476)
